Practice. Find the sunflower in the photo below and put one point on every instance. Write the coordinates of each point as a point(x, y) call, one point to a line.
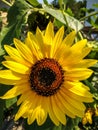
point(88, 116)
point(46, 73)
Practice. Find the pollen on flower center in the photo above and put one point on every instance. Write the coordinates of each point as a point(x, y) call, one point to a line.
point(46, 77)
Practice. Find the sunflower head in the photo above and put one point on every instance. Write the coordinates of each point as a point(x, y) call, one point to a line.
point(46, 73)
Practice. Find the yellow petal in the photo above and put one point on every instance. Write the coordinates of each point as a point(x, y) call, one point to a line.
point(79, 45)
point(24, 96)
point(48, 39)
point(49, 34)
point(9, 58)
point(64, 49)
point(51, 112)
point(65, 109)
point(15, 55)
point(37, 109)
point(76, 104)
point(23, 108)
point(34, 46)
point(75, 56)
point(15, 91)
point(69, 38)
point(57, 41)
point(78, 89)
point(58, 113)
point(24, 51)
point(85, 51)
point(28, 115)
point(10, 75)
point(11, 93)
point(81, 92)
point(40, 40)
point(83, 64)
point(86, 63)
point(40, 115)
point(77, 74)
point(70, 107)
point(77, 97)
point(17, 67)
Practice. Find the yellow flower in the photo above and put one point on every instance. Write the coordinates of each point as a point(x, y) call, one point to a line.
point(88, 116)
point(46, 72)
point(96, 111)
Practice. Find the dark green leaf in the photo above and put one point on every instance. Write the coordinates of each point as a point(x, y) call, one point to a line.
point(33, 2)
point(64, 18)
point(1, 51)
point(16, 18)
point(45, 2)
point(17, 11)
point(72, 124)
point(57, 127)
point(3, 89)
point(10, 102)
point(89, 84)
point(1, 111)
point(69, 125)
point(8, 33)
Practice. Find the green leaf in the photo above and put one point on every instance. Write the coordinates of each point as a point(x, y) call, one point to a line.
point(1, 52)
point(1, 111)
point(33, 2)
point(57, 127)
point(64, 18)
point(16, 18)
point(72, 124)
point(8, 33)
point(69, 125)
point(10, 102)
point(45, 2)
point(95, 5)
point(60, 2)
point(58, 23)
point(3, 89)
point(96, 96)
point(89, 84)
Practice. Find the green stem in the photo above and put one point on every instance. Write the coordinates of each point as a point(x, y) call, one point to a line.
point(94, 13)
point(65, 18)
point(6, 2)
point(80, 35)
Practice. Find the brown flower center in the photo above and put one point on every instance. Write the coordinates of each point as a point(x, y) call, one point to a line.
point(46, 77)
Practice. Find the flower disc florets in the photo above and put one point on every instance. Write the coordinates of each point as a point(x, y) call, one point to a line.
point(46, 77)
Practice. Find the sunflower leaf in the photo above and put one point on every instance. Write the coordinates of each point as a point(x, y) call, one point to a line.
point(3, 89)
point(10, 102)
point(1, 111)
point(57, 127)
point(1, 52)
point(64, 18)
point(16, 18)
point(33, 2)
